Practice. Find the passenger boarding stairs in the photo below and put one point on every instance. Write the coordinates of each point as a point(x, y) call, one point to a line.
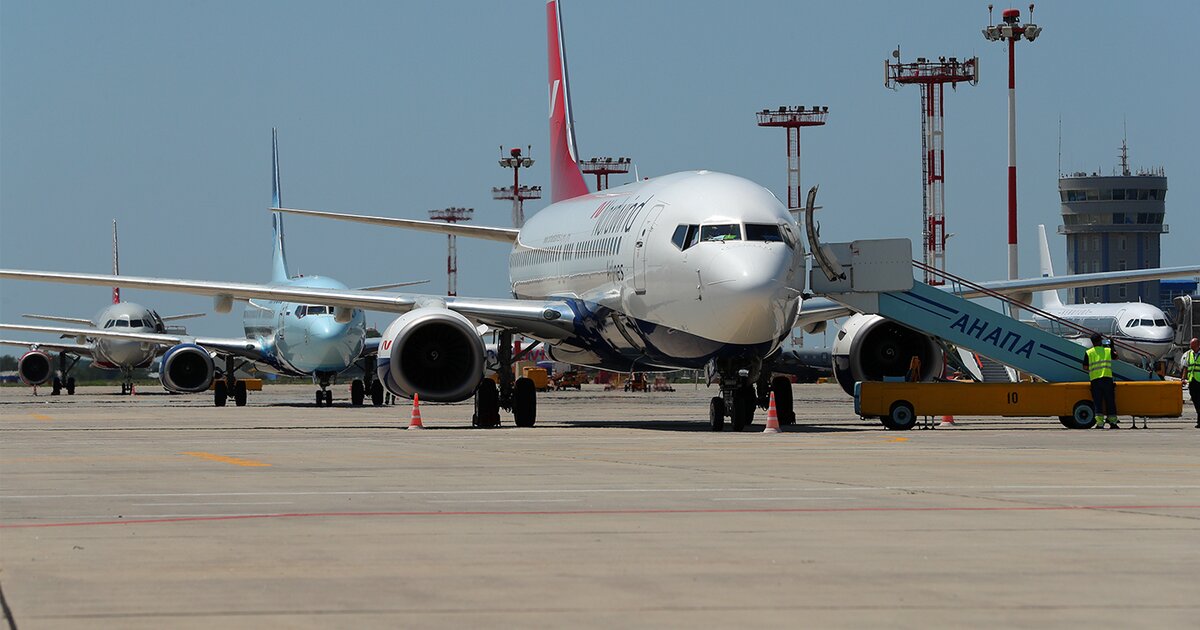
point(878, 279)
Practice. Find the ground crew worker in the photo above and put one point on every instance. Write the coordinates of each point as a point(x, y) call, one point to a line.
point(1098, 362)
point(1189, 373)
point(914, 370)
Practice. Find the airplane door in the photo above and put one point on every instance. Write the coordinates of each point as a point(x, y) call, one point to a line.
point(639, 252)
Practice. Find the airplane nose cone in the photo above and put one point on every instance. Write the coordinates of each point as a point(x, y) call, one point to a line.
point(327, 329)
point(747, 288)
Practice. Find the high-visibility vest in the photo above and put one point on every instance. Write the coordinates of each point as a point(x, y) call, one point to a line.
point(1192, 361)
point(1099, 363)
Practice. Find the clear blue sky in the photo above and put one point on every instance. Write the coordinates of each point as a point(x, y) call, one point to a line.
point(159, 114)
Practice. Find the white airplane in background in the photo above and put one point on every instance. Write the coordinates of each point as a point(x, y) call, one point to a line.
point(36, 367)
point(675, 272)
point(1143, 326)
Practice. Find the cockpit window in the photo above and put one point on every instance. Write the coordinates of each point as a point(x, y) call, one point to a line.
point(122, 323)
point(679, 238)
point(1147, 322)
point(137, 323)
point(788, 237)
point(1160, 322)
point(1131, 323)
point(318, 310)
point(768, 232)
point(723, 232)
point(108, 324)
point(301, 311)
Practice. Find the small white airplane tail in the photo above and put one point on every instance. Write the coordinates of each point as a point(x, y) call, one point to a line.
point(1049, 298)
point(116, 264)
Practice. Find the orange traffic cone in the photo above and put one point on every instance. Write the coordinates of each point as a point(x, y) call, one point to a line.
point(416, 414)
point(948, 421)
point(772, 417)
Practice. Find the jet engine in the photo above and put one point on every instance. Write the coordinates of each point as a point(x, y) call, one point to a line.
point(35, 367)
point(870, 347)
point(186, 368)
point(431, 351)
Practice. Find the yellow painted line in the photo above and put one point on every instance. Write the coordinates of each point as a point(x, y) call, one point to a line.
point(898, 439)
point(236, 461)
point(41, 416)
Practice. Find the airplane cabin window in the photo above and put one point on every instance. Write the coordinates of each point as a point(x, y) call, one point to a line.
point(768, 232)
point(720, 233)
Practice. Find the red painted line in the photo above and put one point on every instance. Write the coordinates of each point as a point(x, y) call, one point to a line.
point(242, 517)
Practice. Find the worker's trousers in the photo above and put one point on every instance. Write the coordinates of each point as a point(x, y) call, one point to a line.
point(1104, 397)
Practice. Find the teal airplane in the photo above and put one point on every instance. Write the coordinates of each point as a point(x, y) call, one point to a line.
point(282, 336)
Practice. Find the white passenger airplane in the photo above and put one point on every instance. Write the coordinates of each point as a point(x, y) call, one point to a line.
point(1143, 326)
point(36, 367)
point(283, 337)
point(675, 272)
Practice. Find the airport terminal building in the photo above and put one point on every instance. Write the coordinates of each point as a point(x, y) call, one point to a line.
point(1114, 223)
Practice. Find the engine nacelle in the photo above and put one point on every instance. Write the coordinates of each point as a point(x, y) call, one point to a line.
point(186, 368)
point(870, 347)
point(431, 351)
point(35, 367)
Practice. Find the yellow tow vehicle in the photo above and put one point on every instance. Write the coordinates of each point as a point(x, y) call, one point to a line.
point(898, 405)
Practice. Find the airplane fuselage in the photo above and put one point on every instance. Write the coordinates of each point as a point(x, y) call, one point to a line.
point(304, 339)
point(1141, 325)
point(666, 273)
point(120, 354)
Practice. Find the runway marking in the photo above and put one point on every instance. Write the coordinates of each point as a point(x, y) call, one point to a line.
point(236, 461)
point(506, 501)
point(41, 416)
point(898, 439)
point(219, 503)
point(783, 499)
point(194, 518)
point(827, 488)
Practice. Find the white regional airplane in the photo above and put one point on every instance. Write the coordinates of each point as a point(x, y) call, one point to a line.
point(1143, 326)
point(36, 367)
point(669, 273)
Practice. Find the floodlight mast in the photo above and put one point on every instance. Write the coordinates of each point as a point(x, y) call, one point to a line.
point(932, 76)
point(602, 167)
point(517, 193)
point(792, 119)
point(452, 215)
point(1010, 30)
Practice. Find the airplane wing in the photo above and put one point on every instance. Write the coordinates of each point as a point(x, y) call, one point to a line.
point(175, 318)
point(73, 348)
point(394, 285)
point(504, 235)
point(544, 319)
point(248, 348)
point(55, 318)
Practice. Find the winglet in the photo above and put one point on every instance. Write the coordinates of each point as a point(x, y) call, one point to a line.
point(1049, 298)
point(116, 265)
point(566, 180)
point(279, 268)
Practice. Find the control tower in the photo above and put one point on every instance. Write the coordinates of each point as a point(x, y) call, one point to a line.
point(1113, 223)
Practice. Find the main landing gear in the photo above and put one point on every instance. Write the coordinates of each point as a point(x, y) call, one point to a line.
point(367, 385)
point(746, 385)
point(519, 396)
point(63, 380)
point(228, 384)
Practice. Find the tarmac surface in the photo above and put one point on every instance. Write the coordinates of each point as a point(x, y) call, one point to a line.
point(617, 510)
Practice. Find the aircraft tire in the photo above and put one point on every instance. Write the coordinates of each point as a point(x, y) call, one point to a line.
point(901, 416)
point(70, 386)
point(220, 393)
point(239, 394)
point(320, 398)
point(358, 393)
point(487, 405)
point(716, 414)
point(743, 408)
point(782, 387)
point(55, 386)
point(377, 394)
point(328, 398)
point(524, 402)
point(1083, 416)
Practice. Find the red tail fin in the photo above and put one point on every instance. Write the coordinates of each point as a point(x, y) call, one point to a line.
point(566, 180)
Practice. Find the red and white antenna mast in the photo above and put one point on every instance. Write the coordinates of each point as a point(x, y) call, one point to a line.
point(932, 76)
point(452, 215)
point(1010, 30)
